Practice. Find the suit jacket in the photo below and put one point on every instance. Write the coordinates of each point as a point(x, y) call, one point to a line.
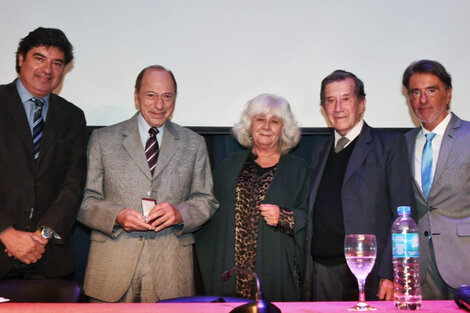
point(52, 185)
point(279, 256)
point(446, 213)
point(118, 177)
point(377, 180)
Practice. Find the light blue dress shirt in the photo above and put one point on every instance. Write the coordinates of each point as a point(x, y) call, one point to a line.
point(28, 104)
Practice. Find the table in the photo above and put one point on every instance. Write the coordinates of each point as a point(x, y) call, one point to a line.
point(286, 307)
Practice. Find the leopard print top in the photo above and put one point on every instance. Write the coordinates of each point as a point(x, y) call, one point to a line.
point(251, 190)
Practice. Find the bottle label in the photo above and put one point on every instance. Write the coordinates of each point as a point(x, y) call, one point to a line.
point(405, 245)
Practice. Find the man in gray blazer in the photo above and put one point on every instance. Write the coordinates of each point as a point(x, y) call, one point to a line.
point(443, 192)
point(141, 252)
point(360, 176)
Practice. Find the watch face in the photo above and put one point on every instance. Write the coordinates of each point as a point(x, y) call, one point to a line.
point(46, 233)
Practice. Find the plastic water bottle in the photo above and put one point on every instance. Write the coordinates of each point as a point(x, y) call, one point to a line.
point(405, 240)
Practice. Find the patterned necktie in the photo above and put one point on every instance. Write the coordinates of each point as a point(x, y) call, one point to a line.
point(38, 125)
point(426, 165)
point(343, 141)
point(152, 149)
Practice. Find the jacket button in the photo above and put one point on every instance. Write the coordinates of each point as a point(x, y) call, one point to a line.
point(426, 233)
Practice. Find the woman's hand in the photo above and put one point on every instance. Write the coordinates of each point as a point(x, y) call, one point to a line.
point(270, 213)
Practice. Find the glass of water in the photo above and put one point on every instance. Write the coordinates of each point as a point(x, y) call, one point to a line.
point(360, 251)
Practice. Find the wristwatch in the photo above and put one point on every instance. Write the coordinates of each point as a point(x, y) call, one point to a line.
point(47, 232)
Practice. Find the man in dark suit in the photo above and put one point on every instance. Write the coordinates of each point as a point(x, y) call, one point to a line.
point(42, 162)
point(360, 177)
point(442, 194)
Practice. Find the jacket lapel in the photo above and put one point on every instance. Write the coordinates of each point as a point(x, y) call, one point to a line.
point(18, 116)
point(168, 147)
point(318, 166)
point(411, 148)
point(133, 144)
point(360, 152)
point(411, 142)
point(446, 147)
point(53, 126)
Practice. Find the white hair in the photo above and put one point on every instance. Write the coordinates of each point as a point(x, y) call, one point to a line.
point(262, 105)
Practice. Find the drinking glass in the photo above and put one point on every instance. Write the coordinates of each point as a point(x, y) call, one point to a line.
point(360, 251)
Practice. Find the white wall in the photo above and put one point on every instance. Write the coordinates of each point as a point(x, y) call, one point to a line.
point(224, 53)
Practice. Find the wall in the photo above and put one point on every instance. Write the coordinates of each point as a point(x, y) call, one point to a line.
point(223, 53)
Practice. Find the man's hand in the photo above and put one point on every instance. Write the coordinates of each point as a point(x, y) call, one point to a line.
point(164, 215)
point(131, 220)
point(270, 213)
point(386, 289)
point(38, 238)
point(24, 246)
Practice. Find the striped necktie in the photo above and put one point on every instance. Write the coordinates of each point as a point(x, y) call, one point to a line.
point(426, 165)
point(152, 149)
point(38, 125)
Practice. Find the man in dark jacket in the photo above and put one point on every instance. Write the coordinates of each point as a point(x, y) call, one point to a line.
point(361, 174)
point(42, 161)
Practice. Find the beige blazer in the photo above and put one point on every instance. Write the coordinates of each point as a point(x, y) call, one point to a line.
point(118, 177)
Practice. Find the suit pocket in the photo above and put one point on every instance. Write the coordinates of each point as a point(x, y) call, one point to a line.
point(463, 230)
point(187, 240)
point(97, 236)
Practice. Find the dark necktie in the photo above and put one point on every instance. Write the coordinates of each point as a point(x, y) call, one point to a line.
point(152, 149)
point(38, 125)
point(342, 142)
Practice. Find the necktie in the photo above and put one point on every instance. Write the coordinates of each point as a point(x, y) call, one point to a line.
point(426, 165)
point(343, 141)
point(152, 149)
point(38, 125)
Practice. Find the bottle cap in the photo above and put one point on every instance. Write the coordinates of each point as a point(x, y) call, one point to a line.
point(402, 210)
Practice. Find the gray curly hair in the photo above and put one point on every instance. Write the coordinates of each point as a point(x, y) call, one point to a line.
point(261, 105)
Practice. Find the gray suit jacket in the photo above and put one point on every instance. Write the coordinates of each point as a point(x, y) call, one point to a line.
point(446, 214)
point(377, 180)
point(118, 177)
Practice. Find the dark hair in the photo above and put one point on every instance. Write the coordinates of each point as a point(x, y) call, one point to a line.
point(49, 37)
point(427, 66)
point(138, 81)
point(340, 75)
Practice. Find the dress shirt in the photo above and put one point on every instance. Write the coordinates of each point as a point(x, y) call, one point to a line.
point(351, 135)
point(144, 131)
point(29, 105)
point(439, 130)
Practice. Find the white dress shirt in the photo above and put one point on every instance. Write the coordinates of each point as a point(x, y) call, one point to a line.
point(439, 130)
point(144, 131)
point(352, 134)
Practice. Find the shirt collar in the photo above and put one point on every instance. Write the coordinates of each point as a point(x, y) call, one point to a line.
point(144, 126)
point(439, 129)
point(353, 132)
point(24, 94)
